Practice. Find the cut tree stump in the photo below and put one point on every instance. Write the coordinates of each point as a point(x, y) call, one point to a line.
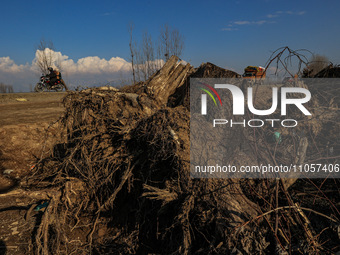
point(165, 82)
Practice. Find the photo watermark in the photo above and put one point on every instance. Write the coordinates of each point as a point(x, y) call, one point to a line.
point(264, 129)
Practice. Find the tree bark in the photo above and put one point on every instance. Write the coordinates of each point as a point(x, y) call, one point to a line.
point(164, 83)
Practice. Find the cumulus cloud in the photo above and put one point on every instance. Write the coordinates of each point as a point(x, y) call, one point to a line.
point(7, 65)
point(95, 65)
point(84, 71)
point(91, 64)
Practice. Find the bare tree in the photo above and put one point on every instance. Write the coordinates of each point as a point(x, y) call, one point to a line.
point(165, 41)
point(130, 29)
point(171, 42)
point(148, 52)
point(149, 56)
point(45, 57)
point(283, 58)
point(177, 43)
point(139, 64)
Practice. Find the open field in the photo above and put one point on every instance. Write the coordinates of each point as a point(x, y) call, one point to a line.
point(29, 108)
point(24, 121)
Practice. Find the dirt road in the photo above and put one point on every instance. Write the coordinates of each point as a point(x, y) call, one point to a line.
point(29, 108)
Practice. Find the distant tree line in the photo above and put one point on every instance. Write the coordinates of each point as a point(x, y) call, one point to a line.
point(148, 55)
point(6, 88)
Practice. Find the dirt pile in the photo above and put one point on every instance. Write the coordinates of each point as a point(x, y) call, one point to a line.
point(120, 182)
point(329, 72)
point(206, 70)
point(209, 70)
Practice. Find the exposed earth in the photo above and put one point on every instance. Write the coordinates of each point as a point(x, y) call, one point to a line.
point(26, 121)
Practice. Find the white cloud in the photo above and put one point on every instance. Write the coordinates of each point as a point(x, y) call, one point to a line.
point(229, 29)
point(96, 65)
point(85, 71)
point(287, 12)
point(242, 22)
point(7, 65)
point(260, 22)
point(270, 16)
point(92, 64)
point(246, 22)
point(233, 26)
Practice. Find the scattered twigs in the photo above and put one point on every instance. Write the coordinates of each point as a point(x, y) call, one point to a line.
point(283, 57)
point(284, 208)
point(124, 178)
point(154, 193)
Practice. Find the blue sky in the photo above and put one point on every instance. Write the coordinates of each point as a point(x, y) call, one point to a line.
point(231, 34)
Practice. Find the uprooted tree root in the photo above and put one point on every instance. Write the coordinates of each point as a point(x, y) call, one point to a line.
point(121, 183)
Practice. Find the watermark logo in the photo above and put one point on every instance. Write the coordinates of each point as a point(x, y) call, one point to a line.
point(238, 99)
point(267, 130)
point(204, 97)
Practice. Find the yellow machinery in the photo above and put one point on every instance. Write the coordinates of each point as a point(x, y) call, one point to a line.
point(254, 72)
